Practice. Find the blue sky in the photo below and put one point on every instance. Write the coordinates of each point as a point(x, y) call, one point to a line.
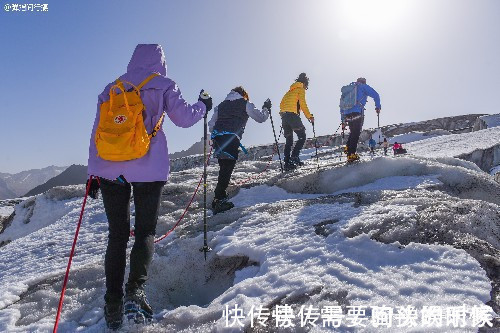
point(426, 58)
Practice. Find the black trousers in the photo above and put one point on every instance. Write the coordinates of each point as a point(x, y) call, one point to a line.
point(226, 150)
point(291, 122)
point(116, 198)
point(226, 167)
point(355, 123)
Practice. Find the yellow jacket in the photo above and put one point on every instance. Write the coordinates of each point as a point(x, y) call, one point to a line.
point(297, 93)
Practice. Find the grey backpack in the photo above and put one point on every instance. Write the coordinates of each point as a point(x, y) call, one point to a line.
point(349, 95)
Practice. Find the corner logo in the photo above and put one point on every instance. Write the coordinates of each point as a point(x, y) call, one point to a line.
point(120, 119)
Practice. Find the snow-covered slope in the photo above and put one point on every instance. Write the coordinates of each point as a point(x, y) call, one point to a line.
point(417, 231)
point(402, 133)
point(415, 136)
point(480, 147)
point(6, 210)
point(456, 144)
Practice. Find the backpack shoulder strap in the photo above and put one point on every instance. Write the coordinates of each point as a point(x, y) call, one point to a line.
point(143, 83)
point(157, 126)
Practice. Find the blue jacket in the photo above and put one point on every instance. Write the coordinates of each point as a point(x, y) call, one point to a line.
point(364, 91)
point(372, 142)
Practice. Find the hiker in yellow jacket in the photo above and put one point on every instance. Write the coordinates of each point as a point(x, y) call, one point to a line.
point(290, 106)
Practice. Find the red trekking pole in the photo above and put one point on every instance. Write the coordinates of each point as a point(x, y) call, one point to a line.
point(59, 308)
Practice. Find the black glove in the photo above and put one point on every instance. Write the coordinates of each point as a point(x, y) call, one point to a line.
point(206, 99)
point(267, 105)
point(94, 188)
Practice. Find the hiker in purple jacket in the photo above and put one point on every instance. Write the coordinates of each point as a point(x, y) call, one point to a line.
point(146, 176)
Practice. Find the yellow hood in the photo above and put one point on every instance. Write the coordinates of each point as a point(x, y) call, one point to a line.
point(296, 85)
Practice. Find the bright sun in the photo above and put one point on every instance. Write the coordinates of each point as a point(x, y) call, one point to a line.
point(373, 14)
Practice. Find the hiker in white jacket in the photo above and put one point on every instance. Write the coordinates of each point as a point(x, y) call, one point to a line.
point(227, 126)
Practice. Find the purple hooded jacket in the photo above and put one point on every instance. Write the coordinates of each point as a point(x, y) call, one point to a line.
point(159, 94)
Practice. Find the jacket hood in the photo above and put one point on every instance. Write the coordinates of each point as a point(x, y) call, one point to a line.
point(297, 85)
point(233, 95)
point(148, 57)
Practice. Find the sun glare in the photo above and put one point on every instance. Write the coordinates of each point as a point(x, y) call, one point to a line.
point(373, 14)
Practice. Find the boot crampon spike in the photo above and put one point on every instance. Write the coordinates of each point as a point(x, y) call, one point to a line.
point(137, 308)
point(352, 157)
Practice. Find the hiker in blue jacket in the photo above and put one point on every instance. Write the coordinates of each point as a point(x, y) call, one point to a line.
point(372, 143)
point(354, 117)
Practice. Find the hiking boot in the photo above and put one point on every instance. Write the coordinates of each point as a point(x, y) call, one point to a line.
point(352, 157)
point(113, 313)
point(296, 160)
point(221, 205)
point(289, 166)
point(137, 308)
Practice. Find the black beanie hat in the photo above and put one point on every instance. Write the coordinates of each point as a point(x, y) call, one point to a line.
point(304, 79)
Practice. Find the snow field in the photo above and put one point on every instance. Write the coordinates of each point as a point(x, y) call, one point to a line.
point(33, 264)
point(412, 136)
point(355, 235)
point(294, 260)
point(380, 173)
point(456, 144)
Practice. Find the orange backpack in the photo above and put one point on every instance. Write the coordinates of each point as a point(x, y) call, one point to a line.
point(121, 134)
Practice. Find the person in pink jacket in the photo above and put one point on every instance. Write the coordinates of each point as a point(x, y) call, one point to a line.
point(398, 149)
point(146, 176)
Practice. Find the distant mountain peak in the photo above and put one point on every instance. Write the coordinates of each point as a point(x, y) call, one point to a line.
point(73, 175)
point(19, 183)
